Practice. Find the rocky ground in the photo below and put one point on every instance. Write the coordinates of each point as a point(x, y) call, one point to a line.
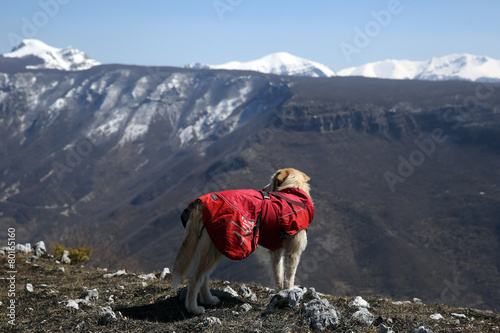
point(54, 297)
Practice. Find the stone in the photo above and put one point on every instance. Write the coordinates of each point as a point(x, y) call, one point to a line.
point(285, 298)
point(20, 248)
point(417, 300)
point(164, 273)
point(244, 291)
point(310, 295)
point(65, 257)
point(62, 269)
point(40, 249)
point(458, 315)
point(91, 295)
point(72, 304)
point(436, 316)
point(363, 316)
point(359, 302)
point(385, 329)
point(106, 315)
point(117, 273)
point(422, 329)
point(2, 253)
point(29, 287)
point(320, 314)
point(150, 276)
point(209, 321)
point(246, 307)
point(230, 291)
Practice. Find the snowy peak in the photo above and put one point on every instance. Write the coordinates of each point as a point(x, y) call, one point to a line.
point(69, 58)
point(281, 63)
point(451, 67)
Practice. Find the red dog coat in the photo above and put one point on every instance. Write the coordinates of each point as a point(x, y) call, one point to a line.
point(238, 220)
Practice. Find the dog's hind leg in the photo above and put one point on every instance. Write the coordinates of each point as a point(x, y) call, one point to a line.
point(187, 252)
point(209, 257)
point(293, 247)
point(277, 263)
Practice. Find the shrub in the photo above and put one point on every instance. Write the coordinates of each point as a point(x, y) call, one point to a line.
point(80, 254)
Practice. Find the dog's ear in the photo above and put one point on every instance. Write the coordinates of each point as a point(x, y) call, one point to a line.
point(280, 177)
point(306, 177)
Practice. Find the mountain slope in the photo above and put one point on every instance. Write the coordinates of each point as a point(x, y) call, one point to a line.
point(110, 156)
point(281, 63)
point(451, 67)
point(69, 58)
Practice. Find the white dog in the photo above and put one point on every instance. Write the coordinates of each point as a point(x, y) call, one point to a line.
point(234, 222)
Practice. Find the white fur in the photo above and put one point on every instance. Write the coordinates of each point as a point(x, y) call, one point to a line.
point(284, 261)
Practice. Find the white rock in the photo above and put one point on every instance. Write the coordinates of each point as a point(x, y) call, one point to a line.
point(72, 304)
point(458, 315)
point(40, 249)
point(65, 257)
point(150, 276)
point(246, 307)
point(359, 302)
point(20, 248)
point(62, 269)
point(385, 329)
point(363, 316)
point(164, 273)
point(209, 321)
point(436, 316)
point(91, 295)
point(29, 287)
point(231, 291)
point(117, 273)
point(422, 329)
point(107, 315)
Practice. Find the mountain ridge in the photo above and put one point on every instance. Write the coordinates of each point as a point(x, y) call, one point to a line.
point(450, 67)
point(108, 158)
point(69, 58)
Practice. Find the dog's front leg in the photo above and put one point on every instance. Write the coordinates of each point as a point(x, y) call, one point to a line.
point(277, 263)
point(293, 247)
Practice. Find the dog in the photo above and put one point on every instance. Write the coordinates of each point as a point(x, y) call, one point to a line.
point(233, 222)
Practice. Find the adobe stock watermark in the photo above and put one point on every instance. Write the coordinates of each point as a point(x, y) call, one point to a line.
point(363, 36)
point(11, 276)
point(426, 147)
point(452, 291)
point(31, 25)
point(223, 6)
point(233, 161)
point(75, 155)
point(311, 263)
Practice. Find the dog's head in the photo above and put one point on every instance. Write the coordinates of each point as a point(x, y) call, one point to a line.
point(289, 178)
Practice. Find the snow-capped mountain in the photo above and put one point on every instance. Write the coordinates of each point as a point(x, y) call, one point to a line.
point(280, 63)
point(451, 67)
point(69, 58)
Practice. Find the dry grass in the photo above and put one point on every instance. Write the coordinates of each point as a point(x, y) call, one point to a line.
point(155, 308)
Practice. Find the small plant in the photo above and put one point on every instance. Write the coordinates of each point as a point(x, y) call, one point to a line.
point(80, 254)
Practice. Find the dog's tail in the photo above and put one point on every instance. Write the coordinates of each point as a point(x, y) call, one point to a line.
point(187, 252)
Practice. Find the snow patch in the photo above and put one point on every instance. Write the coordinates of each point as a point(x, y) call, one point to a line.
point(281, 63)
point(450, 67)
point(69, 58)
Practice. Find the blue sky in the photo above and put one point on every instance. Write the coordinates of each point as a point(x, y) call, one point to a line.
point(338, 34)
